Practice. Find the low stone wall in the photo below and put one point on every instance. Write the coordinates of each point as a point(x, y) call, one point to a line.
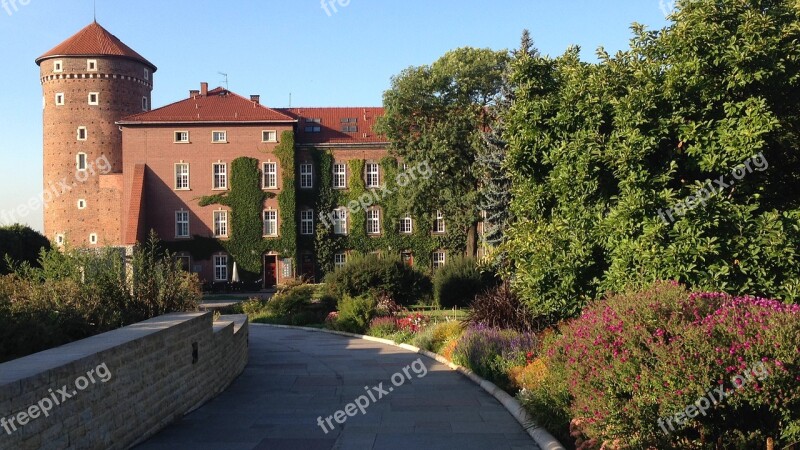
point(116, 389)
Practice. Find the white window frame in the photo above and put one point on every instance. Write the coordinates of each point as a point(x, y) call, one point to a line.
point(220, 223)
point(219, 175)
point(145, 104)
point(219, 134)
point(81, 203)
point(406, 225)
point(81, 162)
point(373, 175)
point(439, 226)
point(220, 267)
point(306, 176)
point(340, 176)
point(60, 99)
point(270, 176)
point(179, 176)
point(182, 219)
point(58, 66)
point(60, 239)
point(96, 101)
point(147, 74)
point(374, 221)
point(85, 134)
point(307, 222)
point(340, 221)
point(93, 239)
point(181, 134)
point(91, 65)
point(269, 136)
point(339, 259)
point(270, 223)
point(439, 259)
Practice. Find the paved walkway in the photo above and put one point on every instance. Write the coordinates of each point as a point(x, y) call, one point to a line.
point(296, 376)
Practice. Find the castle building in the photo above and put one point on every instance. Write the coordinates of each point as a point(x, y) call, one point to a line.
point(132, 169)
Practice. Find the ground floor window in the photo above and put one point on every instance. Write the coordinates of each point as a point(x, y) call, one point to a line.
point(220, 267)
point(339, 260)
point(439, 258)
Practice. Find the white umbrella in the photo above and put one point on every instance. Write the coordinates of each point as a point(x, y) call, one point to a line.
point(235, 276)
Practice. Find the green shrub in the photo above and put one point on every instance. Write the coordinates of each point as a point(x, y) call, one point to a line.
point(293, 304)
point(355, 313)
point(633, 361)
point(459, 281)
point(379, 276)
point(75, 294)
point(20, 244)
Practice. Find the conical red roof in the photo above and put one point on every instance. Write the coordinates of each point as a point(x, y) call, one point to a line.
point(94, 40)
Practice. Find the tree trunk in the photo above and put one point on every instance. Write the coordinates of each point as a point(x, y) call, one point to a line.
point(472, 241)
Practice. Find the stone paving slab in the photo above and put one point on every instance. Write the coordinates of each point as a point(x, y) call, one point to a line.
point(296, 376)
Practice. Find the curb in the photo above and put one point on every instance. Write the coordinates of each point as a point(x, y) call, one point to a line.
point(543, 439)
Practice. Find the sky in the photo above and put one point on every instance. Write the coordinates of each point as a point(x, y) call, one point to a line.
point(342, 55)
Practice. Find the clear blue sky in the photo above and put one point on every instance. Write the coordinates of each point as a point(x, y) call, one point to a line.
point(272, 48)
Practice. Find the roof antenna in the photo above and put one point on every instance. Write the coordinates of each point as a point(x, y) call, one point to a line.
point(290, 99)
point(225, 80)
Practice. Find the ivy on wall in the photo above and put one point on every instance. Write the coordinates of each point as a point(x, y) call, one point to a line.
point(421, 243)
point(245, 199)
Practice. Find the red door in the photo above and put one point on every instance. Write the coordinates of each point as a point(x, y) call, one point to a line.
point(270, 271)
point(408, 258)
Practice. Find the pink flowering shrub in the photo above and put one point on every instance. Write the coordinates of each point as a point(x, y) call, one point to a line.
point(413, 323)
point(634, 363)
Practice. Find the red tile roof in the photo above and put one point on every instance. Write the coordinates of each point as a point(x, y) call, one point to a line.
point(94, 40)
point(332, 123)
point(220, 105)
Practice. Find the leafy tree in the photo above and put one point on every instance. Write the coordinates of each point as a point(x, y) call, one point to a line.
point(436, 114)
point(19, 244)
point(494, 194)
point(598, 153)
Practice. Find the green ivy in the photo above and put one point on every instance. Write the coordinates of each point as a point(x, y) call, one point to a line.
point(245, 199)
point(421, 243)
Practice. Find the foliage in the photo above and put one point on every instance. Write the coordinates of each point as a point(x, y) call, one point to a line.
point(383, 326)
point(494, 191)
point(458, 282)
point(355, 313)
point(597, 151)
point(76, 294)
point(421, 242)
point(245, 199)
point(641, 357)
point(501, 307)
point(294, 304)
point(434, 337)
point(413, 323)
point(378, 276)
point(18, 244)
point(491, 352)
point(434, 114)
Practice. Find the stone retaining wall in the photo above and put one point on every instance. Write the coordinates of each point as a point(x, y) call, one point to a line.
point(116, 389)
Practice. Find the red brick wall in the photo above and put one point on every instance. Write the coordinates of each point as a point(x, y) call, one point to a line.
point(121, 86)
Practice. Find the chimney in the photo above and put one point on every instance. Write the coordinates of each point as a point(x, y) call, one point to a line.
point(193, 93)
point(255, 99)
point(203, 89)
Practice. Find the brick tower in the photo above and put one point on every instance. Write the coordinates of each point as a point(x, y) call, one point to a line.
point(90, 81)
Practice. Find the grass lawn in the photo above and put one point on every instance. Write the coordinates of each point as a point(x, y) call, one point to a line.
point(436, 314)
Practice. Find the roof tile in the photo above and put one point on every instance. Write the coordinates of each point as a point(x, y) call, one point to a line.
point(94, 40)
